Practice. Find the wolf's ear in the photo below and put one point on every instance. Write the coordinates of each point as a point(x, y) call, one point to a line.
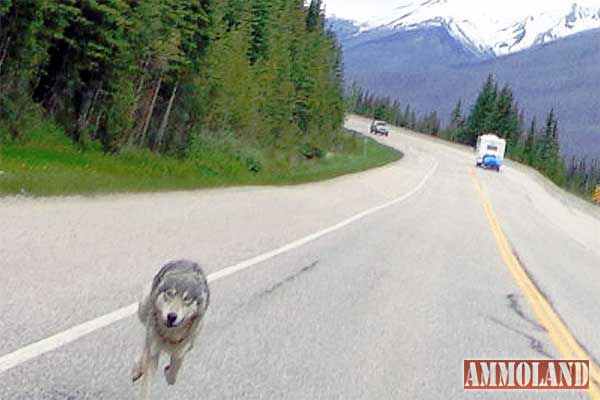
point(156, 281)
point(159, 276)
point(196, 268)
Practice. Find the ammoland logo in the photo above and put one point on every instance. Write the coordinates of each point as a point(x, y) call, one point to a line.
point(526, 374)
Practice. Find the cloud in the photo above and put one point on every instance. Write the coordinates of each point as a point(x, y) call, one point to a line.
point(359, 10)
point(367, 10)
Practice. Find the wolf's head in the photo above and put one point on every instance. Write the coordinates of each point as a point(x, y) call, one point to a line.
point(181, 293)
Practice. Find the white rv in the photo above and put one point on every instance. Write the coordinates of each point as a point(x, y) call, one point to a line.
point(490, 151)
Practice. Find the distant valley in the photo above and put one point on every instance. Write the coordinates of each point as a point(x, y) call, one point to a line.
point(430, 69)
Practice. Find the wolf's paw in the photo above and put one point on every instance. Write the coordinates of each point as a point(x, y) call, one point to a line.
point(169, 375)
point(136, 372)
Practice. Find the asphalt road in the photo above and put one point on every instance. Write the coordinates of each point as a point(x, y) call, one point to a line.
point(386, 305)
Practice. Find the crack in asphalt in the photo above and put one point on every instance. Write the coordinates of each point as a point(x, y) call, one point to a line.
point(289, 279)
point(532, 279)
point(535, 344)
point(589, 354)
point(71, 394)
point(254, 298)
point(516, 307)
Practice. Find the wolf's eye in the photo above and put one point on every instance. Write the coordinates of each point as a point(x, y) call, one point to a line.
point(169, 294)
point(188, 300)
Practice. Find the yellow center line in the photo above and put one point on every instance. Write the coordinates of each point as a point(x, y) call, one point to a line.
point(560, 335)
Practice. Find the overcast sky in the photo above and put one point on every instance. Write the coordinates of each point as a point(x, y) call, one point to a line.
point(364, 10)
point(359, 10)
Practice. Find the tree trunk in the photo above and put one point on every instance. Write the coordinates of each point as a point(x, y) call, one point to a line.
point(151, 110)
point(132, 133)
point(94, 103)
point(4, 51)
point(86, 107)
point(139, 88)
point(97, 125)
point(165, 120)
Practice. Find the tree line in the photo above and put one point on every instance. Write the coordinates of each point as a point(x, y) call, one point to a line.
point(363, 102)
point(495, 111)
point(164, 74)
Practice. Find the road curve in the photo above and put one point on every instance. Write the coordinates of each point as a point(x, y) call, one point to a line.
point(384, 306)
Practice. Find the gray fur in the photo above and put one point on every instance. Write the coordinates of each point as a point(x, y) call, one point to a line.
point(183, 275)
point(180, 288)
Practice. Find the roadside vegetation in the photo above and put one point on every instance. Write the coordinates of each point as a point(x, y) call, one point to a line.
point(495, 111)
point(49, 163)
point(169, 94)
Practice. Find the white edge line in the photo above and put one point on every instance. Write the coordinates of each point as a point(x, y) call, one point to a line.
point(51, 343)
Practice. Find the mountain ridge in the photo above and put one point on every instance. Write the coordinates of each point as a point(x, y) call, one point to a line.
point(430, 70)
point(489, 33)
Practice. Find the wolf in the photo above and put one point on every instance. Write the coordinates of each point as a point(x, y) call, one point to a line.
point(172, 310)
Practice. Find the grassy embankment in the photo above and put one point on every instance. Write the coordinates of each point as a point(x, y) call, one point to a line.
point(46, 162)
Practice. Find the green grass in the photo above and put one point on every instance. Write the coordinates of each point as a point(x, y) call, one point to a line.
point(47, 163)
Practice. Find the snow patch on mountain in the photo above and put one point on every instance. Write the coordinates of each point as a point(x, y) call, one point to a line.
point(493, 28)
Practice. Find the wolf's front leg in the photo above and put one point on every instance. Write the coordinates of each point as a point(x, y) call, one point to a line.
point(172, 369)
point(141, 361)
point(138, 370)
point(174, 366)
point(149, 365)
point(139, 365)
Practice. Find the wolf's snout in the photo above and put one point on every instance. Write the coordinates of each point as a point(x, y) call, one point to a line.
point(171, 318)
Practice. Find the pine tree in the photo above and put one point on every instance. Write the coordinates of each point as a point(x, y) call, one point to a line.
point(28, 29)
point(549, 161)
point(456, 118)
point(354, 99)
point(520, 123)
point(436, 124)
point(406, 117)
point(480, 119)
point(277, 89)
point(317, 74)
point(555, 166)
point(262, 15)
point(504, 119)
point(395, 113)
point(516, 149)
point(545, 148)
point(412, 121)
point(530, 150)
point(314, 16)
point(157, 73)
point(232, 88)
point(455, 130)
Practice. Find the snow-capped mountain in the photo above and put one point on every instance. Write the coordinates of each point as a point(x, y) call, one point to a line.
point(491, 27)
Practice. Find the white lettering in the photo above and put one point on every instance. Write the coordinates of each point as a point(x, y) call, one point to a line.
point(472, 378)
point(523, 374)
point(507, 374)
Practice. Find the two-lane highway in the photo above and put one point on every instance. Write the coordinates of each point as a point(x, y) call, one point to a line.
point(371, 286)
